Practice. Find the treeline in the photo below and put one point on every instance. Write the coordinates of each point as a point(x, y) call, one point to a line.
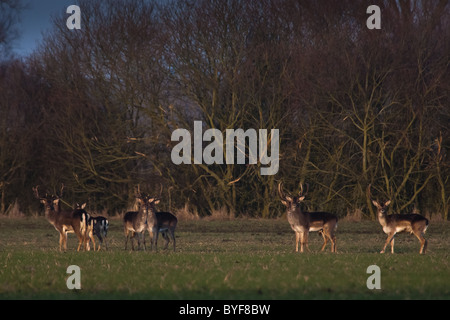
point(95, 108)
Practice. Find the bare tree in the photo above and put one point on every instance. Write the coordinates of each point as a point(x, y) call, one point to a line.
point(9, 17)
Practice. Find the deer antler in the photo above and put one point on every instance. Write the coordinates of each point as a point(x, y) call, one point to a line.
point(61, 191)
point(301, 190)
point(137, 191)
point(368, 193)
point(281, 193)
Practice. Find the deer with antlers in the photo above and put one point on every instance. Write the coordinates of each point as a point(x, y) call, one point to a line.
point(304, 222)
point(396, 223)
point(64, 221)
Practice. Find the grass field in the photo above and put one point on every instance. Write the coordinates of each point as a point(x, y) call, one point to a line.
point(237, 259)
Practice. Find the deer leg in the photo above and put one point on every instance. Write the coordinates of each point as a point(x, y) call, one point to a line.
point(155, 238)
point(106, 242)
point(85, 242)
point(150, 232)
point(100, 240)
point(64, 243)
point(143, 238)
point(139, 239)
point(304, 241)
point(166, 237)
point(137, 235)
point(91, 237)
point(61, 240)
point(333, 243)
point(80, 242)
point(392, 244)
point(65, 240)
point(325, 240)
point(423, 247)
point(423, 241)
point(133, 235)
point(127, 236)
point(388, 240)
point(329, 234)
point(172, 232)
point(297, 238)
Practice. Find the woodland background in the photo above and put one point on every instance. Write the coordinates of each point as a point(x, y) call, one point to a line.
point(95, 108)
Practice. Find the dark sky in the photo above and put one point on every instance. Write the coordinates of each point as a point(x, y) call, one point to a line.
point(35, 20)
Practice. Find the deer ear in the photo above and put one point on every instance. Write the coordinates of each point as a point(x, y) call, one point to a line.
point(156, 201)
point(387, 203)
point(83, 206)
point(301, 198)
point(375, 203)
point(285, 203)
point(56, 201)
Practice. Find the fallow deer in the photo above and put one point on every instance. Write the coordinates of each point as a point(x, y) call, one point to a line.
point(304, 222)
point(135, 222)
point(97, 226)
point(64, 221)
point(396, 223)
point(164, 222)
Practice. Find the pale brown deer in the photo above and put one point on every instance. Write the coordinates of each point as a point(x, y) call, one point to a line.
point(64, 221)
point(396, 223)
point(135, 222)
point(304, 222)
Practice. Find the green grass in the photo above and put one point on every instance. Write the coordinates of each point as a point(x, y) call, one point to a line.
point(239, 259)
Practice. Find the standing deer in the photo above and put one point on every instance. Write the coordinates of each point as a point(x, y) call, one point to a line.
point(395, 223)
point(64, 221)
point(304, 222)
point(164, 222)
point(135, 222)
point(97, 226)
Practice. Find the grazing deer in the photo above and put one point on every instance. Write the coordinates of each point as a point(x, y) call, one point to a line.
point(97, 226)
point(164, 222)
point(395, 223)
point(135, 222)
point(64, 221)
point(304, 222)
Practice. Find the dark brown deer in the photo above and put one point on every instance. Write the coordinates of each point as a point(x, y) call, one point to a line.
point(396, 223)
point(164, 222)
point(64, 221)
point(99, 227)
point(304, 222)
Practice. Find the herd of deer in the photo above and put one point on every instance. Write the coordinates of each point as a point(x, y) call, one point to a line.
point(147, 218)
point(85, 226)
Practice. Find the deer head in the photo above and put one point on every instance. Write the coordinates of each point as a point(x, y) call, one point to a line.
point(49, 201)
point(381, 205)
point(289, 201)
